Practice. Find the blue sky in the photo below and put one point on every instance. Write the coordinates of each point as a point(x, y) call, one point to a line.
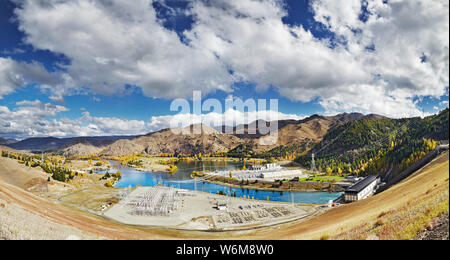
point(110, 69)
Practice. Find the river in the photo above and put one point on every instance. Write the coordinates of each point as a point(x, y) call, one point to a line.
point(181, 179)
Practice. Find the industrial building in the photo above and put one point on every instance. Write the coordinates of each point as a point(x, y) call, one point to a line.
point(286, 174)
point(270, 166)
point(362, 189)
point(268, 172)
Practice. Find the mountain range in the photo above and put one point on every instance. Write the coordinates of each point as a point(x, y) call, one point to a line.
point(308, 132)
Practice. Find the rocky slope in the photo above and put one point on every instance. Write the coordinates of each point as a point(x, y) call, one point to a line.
point(173, 141)
point(437, 230)
point(289, 133)
point(306, 131)
point(209, 140)
point(82, 149)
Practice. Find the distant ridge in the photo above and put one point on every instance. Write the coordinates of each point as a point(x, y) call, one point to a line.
point(53, 143)
point(173, 141)
point(290, 133)
point(4, 141)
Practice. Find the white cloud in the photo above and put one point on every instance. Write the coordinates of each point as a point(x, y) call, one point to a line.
point(403, 35)
point(114, 43)
point(114, 126)
point(14, 51)
point(14, 75)
point(31, 119)
point(349, 76)
point(231, 117)
point(260, 48)
point(37, 119)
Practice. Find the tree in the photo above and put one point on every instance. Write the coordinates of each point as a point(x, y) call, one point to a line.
point(118, 175)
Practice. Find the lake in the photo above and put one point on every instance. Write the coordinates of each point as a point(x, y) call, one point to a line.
point(182, 179)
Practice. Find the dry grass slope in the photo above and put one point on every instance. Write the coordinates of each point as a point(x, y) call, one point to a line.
point(398, 213)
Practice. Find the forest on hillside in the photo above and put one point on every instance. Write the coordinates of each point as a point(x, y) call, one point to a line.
point(375, 145)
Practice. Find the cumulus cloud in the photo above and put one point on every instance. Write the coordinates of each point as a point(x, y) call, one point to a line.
point(251, 37)
point(14, 75)
point(376, 65)
point(30, 119)
point(115, 43)
point(231, 117)
point(37, 119)
point(380, 63)
point(404, 46)
point(113, 125)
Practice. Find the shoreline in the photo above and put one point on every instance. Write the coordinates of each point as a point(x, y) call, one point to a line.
point(311, 187)
point(273, 189)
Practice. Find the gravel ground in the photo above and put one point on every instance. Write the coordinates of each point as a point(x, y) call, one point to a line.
point(16, 223)
point(438, 230)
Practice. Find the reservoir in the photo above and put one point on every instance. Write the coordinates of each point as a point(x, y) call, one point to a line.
point(182, 179)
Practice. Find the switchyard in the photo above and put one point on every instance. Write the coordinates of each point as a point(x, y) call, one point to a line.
point(195, 210)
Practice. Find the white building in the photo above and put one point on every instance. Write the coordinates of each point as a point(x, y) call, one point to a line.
point(286, 174)
point(362, 189)
point(270, 166)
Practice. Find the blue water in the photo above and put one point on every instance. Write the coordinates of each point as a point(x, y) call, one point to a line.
point(182, 179)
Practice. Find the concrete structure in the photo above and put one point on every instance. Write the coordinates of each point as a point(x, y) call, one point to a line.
point(286, 174)
point(362, 189)
point(270, 166)
point(268, 172)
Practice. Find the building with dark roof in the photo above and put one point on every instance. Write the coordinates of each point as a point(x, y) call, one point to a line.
point(362, 189)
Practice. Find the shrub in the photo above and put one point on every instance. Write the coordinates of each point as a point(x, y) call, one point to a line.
point(379, 223)
point(108, 184)
point(324, 237)
point(382, 214)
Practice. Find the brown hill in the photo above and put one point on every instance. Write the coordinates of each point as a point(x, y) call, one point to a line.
point(308, 130)
point(208, 140)
point(181, 140)
point(82, 149)
point(11, 150)
point(59, 144)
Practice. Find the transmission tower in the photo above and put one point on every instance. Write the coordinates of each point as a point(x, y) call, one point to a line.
point(313, 164)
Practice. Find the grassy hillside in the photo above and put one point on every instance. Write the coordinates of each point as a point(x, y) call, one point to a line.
point(398, 213)
point(375, 145)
